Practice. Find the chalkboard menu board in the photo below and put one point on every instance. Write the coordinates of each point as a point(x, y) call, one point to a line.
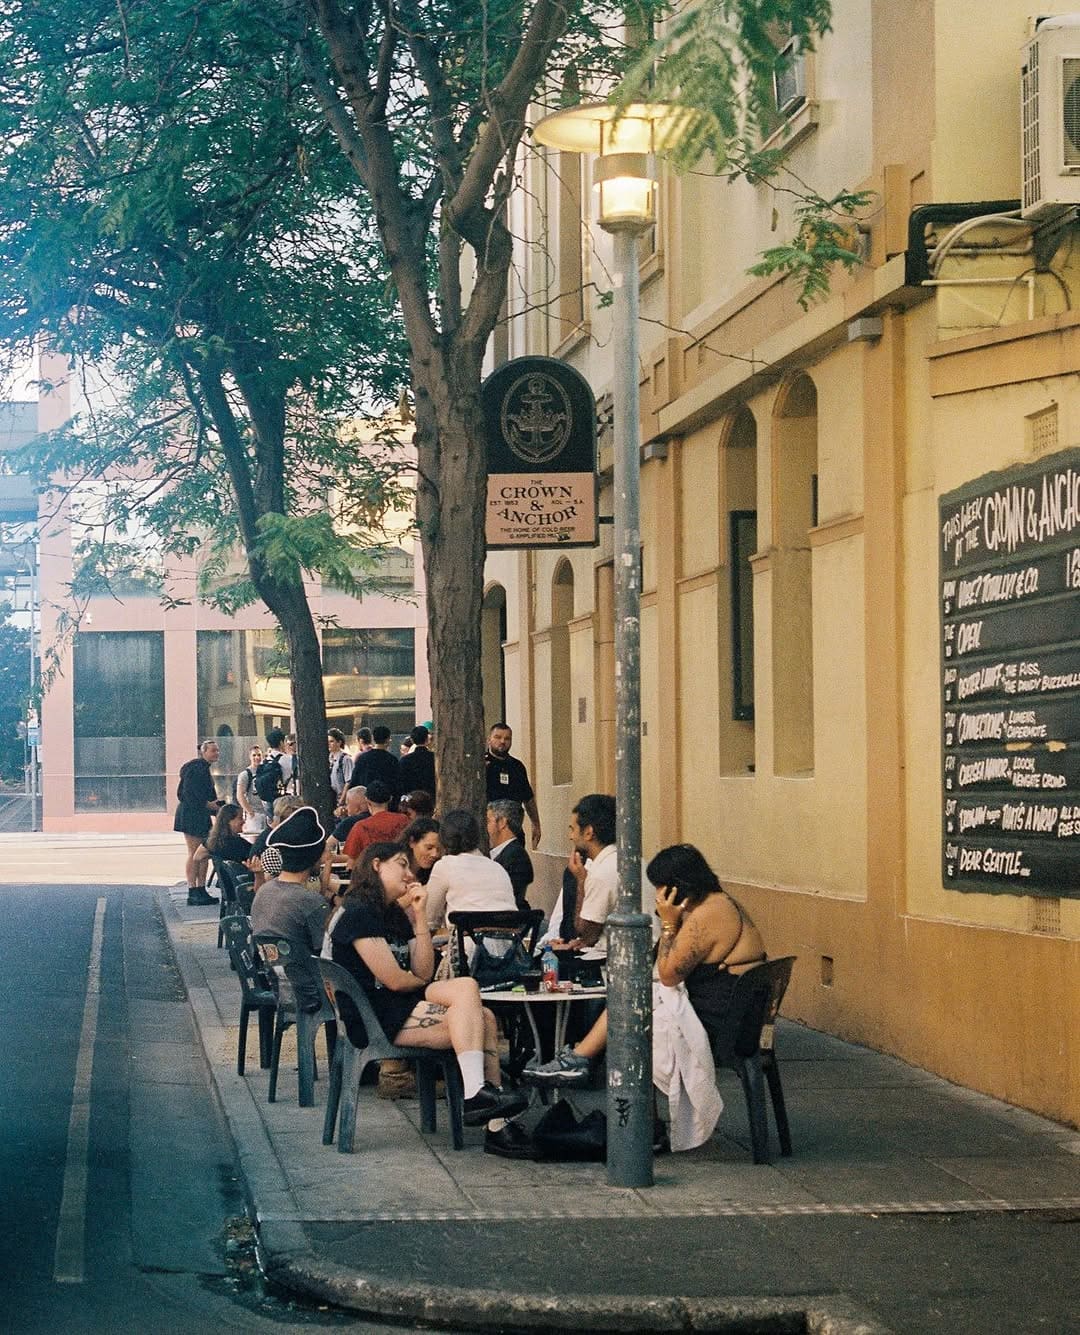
point(1010, 680)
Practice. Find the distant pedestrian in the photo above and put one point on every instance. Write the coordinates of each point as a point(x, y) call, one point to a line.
point(341, 766)
point(197, 802)
point(418, 767)
point(378, 763)
point(275, 775)
point(363, 742)
point(508, 778)
point(247, 798)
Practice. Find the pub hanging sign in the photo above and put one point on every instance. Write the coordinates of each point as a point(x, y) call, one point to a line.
point(1010, 687)
point(540, 429)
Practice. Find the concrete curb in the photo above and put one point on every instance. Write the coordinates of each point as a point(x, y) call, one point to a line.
point(288, 1259)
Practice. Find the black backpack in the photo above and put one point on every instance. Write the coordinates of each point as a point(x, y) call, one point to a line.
point(268, 778)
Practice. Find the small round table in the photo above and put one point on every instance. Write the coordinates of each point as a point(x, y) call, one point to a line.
point(562, 1001)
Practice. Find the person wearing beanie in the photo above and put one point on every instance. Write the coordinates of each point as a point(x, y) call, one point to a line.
point(286, 904)
point(383, 825)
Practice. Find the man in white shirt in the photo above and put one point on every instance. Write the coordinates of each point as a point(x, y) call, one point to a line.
point(593, 864)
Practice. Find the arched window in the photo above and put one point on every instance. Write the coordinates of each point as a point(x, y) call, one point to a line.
point(492, 660)
point(795, 473)
point(562, 613)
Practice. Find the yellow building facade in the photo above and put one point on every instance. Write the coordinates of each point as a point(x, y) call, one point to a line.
point(793, 467)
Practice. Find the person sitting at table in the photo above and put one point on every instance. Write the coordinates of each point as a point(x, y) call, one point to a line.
point(384, 941)
point(594, 867)
point(225, 840)
point(381, 826)
point(707, 940)
point(265, 861)
point(506, 839)
point(420, 839)
point(416, 804)
point(287, 904)
point(356, 809)
point(464, 879)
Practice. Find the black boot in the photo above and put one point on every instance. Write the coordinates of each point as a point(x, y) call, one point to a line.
point(198, 898)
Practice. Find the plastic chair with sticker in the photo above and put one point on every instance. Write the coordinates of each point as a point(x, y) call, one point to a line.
point(348, 1063)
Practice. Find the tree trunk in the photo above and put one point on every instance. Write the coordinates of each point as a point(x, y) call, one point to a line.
point(450, 511)
point(289, 605)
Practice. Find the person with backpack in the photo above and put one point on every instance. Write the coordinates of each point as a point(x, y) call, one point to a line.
point(197, 803)
point(245, 797)
point(275, 773)
point(341, 767)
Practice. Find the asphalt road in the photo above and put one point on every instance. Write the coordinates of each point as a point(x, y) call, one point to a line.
point(120, 1208)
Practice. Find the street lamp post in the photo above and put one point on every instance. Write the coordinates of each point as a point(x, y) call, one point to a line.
point(624, 175)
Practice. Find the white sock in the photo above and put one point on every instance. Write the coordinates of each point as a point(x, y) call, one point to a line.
point(496, 1124)
point(472, 1071)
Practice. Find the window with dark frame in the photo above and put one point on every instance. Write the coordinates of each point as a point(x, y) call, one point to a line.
point(119, 720)
point(743, 536)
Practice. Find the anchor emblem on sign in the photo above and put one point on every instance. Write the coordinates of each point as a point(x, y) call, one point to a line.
point(536, 418)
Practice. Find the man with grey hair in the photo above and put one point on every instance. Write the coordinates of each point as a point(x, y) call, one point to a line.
point(506, 836)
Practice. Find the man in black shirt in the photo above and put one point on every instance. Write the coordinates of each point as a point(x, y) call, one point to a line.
point(507, 777)
point(418, 767)
point(378, 763)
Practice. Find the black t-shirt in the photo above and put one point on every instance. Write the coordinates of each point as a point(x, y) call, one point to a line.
point(418, 771)
point(233, 848)
point(342, 828)
point(357, 923)
point(507, 778)
point(377, 764)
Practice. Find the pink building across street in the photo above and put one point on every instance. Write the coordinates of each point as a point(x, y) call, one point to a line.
point(141, 684)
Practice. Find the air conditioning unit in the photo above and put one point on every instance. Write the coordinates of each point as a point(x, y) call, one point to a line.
point(789, 80)
point(1050, 117)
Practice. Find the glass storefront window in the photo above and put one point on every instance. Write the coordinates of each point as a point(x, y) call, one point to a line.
point(119, 693)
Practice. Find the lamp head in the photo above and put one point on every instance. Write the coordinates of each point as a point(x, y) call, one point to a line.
point(625, 141)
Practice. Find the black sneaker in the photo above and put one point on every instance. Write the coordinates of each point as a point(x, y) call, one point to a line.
point(489, 1102)
point(510, 1142)
point(198, 898)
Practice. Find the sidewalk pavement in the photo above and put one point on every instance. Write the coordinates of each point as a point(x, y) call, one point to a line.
point(909, 1204)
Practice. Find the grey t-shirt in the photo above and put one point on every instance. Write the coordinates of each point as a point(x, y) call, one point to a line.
point(292, 910)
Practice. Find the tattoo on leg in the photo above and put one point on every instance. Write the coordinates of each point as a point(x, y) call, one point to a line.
point(421, 1022)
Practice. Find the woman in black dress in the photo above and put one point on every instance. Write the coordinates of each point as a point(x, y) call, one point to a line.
point(198, 801)
point(384, 941)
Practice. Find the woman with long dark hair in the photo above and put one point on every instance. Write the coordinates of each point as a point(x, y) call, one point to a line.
point(225, 839)
point(420, 839)
point(384, 941)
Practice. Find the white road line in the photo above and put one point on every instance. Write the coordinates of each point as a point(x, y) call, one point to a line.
point(69, 1265)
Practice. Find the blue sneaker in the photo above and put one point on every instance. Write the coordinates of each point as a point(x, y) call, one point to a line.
point(567, 1068)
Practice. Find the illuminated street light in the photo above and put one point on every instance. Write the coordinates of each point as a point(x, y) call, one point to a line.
point(624, 175)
